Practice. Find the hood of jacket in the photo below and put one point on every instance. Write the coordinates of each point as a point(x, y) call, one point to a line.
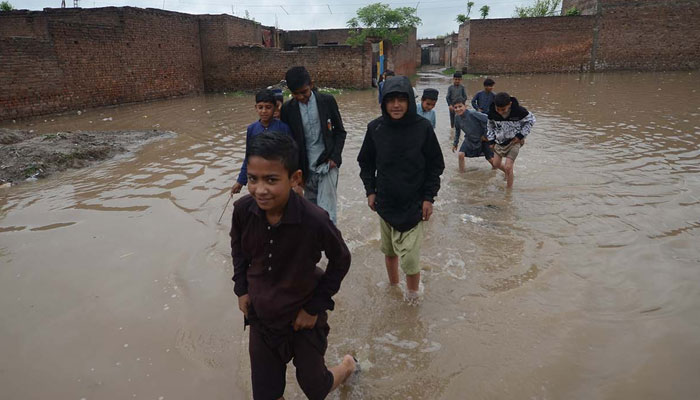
point(517, 112)
point(399, 84)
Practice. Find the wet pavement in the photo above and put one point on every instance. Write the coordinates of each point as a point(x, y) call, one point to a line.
point(582, 282)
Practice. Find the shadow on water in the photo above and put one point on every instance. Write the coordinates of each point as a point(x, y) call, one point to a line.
point(578, 283)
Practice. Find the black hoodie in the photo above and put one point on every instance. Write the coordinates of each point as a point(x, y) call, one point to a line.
point(401, 161)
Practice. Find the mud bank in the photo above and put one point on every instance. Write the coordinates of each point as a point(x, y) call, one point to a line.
point(27, 155)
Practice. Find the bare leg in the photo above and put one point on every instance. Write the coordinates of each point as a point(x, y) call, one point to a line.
point(392, 269)
point(461, 161)
point(496, 162)
point(342, 371)
point(413, 282)
point(492, 163)
point(509, 172)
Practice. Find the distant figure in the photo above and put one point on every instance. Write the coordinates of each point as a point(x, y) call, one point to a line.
point(426, 105)
point(265, 106)
point(453, 92)
point(400, 167)
point(473, 123)
point(277, 238)
point(318, 129)
point(508, 126)
point(279, 99)
point(383, 79)
point(482, 100)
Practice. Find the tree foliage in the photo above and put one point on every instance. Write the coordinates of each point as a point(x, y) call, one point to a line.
point(6, 6)
point(462, 18)
point(572, 11)
point(381, 21)
point(484, 10)
point(541, 8)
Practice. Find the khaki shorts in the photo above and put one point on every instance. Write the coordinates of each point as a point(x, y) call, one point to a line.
point(405, 245)
point(510, 150)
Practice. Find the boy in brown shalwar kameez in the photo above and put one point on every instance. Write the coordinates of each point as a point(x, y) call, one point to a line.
point(277, 238)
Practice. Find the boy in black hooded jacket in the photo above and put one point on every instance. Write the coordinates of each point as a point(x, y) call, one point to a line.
point(400, 166)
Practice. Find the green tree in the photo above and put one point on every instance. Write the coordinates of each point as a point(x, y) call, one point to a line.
point(462, 18)
point(6, 6)
point(573, 11)
point(541, 8)
point(484, 11)
point(381, 21)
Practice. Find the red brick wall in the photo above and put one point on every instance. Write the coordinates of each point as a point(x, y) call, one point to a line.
point(649, 35)
point(401, 58)
point(330, 66)
point(531, 44)
point(217, 33)
point(462, 46)
point(63, 59)
point(316, 37)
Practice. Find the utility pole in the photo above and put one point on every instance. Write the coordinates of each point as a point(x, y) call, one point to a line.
point(63, 3)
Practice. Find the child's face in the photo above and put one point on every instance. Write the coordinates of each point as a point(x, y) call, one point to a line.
point(459, 108)
point(276, 114)
point(265, 110)
point(303, 94)
point(269, 183)
point(488, 89)
point(457, 81)
point(396, 106)
point(504, 111)
point(428, 104)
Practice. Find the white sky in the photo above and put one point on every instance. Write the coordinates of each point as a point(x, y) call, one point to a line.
point(438, 15)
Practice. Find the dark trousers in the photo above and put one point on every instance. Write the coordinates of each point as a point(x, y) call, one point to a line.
point(452, 119)
point(270, 351)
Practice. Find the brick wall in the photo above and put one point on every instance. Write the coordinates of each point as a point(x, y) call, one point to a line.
point(401, 58)
point(586, 7)
point(531, 44)
point(317, 37)
point(651, 35)
point(63, 59)
point(330, 66)
point(462, 46)
point(644, 35)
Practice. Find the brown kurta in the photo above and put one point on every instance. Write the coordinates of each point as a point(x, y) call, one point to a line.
point(277, 265)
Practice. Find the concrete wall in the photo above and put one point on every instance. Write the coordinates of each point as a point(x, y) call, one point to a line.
point(63, 59)
point(330, 66)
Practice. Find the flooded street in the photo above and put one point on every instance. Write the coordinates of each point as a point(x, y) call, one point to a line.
point(583, 282)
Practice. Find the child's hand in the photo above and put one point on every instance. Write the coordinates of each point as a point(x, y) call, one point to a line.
point(332, 164)
point(236, 188)
point(427, 210)
point(243, 303)
point(451, 108)
point(304, 320)
point(370, 201)
point(454, 148)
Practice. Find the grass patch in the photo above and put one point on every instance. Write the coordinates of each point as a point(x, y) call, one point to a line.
point(236, 93)
point(448, 71)
point(31, 171)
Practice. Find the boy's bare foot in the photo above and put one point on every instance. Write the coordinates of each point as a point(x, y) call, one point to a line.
point(343, 371)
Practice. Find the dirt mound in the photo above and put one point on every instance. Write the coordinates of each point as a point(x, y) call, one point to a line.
point(25, 155)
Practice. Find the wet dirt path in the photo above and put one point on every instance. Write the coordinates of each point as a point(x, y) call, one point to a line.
point(580, 283)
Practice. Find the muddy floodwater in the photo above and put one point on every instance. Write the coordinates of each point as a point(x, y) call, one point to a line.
point(583, 282)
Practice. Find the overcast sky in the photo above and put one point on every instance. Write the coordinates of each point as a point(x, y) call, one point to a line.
point(438, 15)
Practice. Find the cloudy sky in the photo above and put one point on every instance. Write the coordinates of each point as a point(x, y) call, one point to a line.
point(438, 15)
